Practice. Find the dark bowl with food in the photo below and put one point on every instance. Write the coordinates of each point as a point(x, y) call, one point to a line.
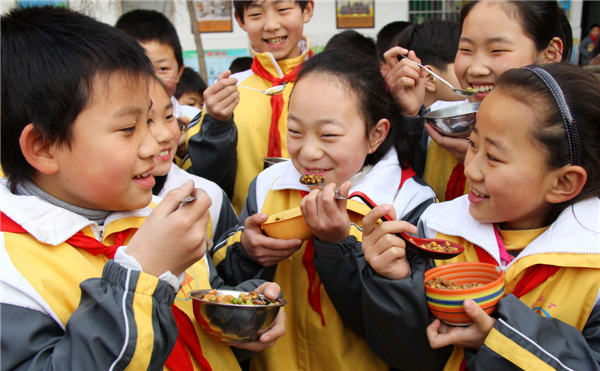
point(234, 323)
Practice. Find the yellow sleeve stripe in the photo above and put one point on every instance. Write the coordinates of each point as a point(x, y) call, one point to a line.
point(513, 352)
point(221, 253)
point(355, 231)
point(142, 312)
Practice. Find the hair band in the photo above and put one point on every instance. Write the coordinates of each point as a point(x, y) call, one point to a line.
point(565, 112)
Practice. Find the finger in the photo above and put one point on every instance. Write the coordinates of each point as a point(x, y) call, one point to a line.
point(278, 329)
point(345, 188)
point(435, 136)
point(310, 203)
point(391, 56)
point(277, 247)
point(223, 94)
point(329, 204)
point(413, 56)
point(173, 199)
point(385, 243)
point(224, 75)
point(232, 105)
point(270, 290)
point(255, 221)
point(437, 339)
point(370, 220)
point(196, 209)
point(480, 318)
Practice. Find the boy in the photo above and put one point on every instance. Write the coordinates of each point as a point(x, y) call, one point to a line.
point(275, 31)
point(158, 36)
point(80, 288)
point(190, 89)
point(385, 37)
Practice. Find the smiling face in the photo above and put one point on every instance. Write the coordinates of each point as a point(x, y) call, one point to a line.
point(326, 133)
point(505, 167)
point(276, 26)
point(108, 163)
point(164, 127)
point(165, 64)
point(191, 98)
point(490, 45)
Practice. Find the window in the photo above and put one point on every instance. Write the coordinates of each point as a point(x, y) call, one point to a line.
point(422, 10)
point(164, 7)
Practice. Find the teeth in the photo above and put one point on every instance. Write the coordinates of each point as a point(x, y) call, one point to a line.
point(477, 193)
point(484, 88)
point(163, 153)
point(315, 171)
point(142, 176)
point(275, 41)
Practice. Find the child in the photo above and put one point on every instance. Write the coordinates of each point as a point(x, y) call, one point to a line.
point(533, 210)
point(495, 36)
point(190, 89)
point(586, 48)
point(275, 31)
point(385, 37)
point(344, 126)
point(80, 286)
point(240, 64)
point(353, 41)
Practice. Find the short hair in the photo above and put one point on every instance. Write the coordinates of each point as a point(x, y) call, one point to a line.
point(51, 57)
point(241, 64)
point(386, 36)
point(241, 5)
point(149, 25)
point(435, 42)
point(353, 41)
point(190, 81)
point(594, 25)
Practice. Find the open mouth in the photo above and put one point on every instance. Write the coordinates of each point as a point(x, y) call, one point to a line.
point(483, 88)
point(276, 41)
point(315, 171)
point(477, 193)
point(142, 176)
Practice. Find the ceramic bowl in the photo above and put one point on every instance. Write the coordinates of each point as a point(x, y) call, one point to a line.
point(455, 121)
point(447, 305)
point(233, 323)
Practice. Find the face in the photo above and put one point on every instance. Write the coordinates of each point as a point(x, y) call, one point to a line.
point(595, 31)
point(164, 127)
point(490, 45)
point(505, 167)
point(108, 164)
point(165, 64)
point(191, 98)
point(276, 26)
point(326, 135)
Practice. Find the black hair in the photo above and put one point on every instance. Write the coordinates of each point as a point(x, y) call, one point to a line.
point(386, 36)
point(51, 57)
point(541, 22)
point(241, 64)
point(582, 92)
point(594, 25)
point(362, 77)
point(435, 42)
point(149, 25)
point(353, 41)
point(190, 81)
point(241, 5)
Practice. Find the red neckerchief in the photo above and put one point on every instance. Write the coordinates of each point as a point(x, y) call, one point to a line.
point(179, 360)
point(456, 184)
point(314, 282)
point(276, 102)
point(594, 39)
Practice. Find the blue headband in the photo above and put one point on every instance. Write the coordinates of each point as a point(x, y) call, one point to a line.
point(565, 112)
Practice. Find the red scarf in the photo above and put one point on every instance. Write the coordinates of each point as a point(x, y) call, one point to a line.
point(276, 102)
point(456, 184)
point(179, 360)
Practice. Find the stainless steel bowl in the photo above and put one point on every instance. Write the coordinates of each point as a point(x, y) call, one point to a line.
point(270, 161)
point(455, 121)
point(233, 323)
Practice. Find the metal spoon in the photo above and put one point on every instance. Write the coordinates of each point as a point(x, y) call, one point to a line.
point(273, 90)
point(464, 93)
point(321, 184)
point(187, 200)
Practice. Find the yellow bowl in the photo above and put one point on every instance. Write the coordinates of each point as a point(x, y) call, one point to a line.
point(287, 225)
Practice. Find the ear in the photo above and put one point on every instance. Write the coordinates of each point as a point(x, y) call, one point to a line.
point(240, 22)
point(430, 79)
point(37, 152)
point(552, 53)
point(378, 134)
point(568, 183)
point(308, 11)
point(180, 72)
point(383, 67)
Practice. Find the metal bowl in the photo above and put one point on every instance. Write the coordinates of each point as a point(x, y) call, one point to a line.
point(233, 323)
point(270, 161)
point(455, 121)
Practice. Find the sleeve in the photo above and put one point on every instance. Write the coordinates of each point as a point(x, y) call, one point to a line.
point(124, 320)
point(522, 339)
point(212, 151)
point(227, 218)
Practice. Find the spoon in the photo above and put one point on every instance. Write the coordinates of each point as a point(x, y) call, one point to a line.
point(187, 200)
point(273, 90)
point(318, 181)
point(415, 243)
point(464, 93)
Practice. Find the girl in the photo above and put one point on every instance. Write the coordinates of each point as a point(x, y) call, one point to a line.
point(533, 210)
point(343, 125)
point(495, 36)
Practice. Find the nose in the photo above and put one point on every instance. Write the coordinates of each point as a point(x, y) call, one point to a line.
point(272, 22)
point(473, 166)
point(149, 147)
point(161, 133)
point(311, 151)
point(479, 66)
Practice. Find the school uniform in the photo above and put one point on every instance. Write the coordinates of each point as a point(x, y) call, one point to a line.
point(552, 322)
point(317, 336)
point(253, 119)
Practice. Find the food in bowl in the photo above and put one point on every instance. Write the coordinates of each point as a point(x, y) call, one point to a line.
point(440, 283)
point(251, 298)
point(446, 247)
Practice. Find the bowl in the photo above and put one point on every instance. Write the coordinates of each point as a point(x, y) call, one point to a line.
point(455, 121)
point(233, 323)
point(270, 161)
point(447, 305)
point(287, 225)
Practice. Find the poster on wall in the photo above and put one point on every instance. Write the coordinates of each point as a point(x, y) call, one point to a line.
point(217, 61)
point(355, 13)
point(214, 15)
point(30, 3)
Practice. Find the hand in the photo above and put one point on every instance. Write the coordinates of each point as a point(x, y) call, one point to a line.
point(384, 251)
point(181, 145)
point(271, 291)
point(472, 337)
point(457, 146)
point(325, 215)
point(222, 97)
point(265, 250)
point(173, 237)
point(404, 80)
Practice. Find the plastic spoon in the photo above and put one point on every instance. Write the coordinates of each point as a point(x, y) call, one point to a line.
point(273, 90)
point(464, 93)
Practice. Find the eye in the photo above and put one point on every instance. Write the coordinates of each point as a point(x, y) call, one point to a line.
point(464, 50)
point(150, 121)
point(163, 69)
point(169, 117)
point(128, 130)
point(293, 132)
point(472, 144)
point(491, 158)
point(329, 135)
point(498, 51)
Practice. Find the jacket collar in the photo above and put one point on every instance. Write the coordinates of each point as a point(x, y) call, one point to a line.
point(284, 66)
point(51, 224)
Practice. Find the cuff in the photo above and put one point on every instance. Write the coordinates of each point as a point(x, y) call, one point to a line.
point(129, 262)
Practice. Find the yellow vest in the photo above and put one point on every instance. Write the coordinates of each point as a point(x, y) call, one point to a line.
point(438, 168)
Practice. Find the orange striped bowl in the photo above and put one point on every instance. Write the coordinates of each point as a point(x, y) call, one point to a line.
point(447, 305)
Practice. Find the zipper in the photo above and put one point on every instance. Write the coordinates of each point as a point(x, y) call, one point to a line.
point(101, 232)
